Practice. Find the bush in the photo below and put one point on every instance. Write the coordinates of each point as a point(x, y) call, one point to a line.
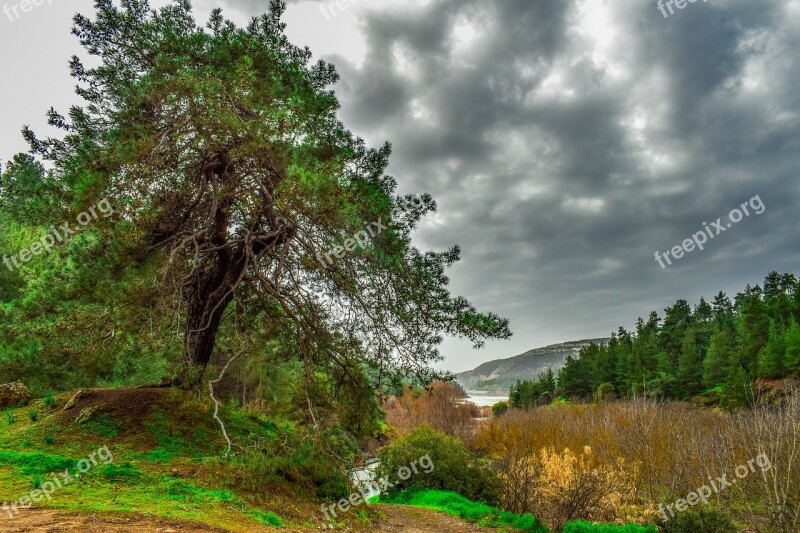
point(706, 520)
point(499, 408)
point(605, 393)
point(586, 527)
point(454, 467)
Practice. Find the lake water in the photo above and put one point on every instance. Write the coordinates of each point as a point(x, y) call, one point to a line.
point(485, 399)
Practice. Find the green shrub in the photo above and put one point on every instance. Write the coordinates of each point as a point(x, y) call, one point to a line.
point(292, 453)
point(499, 408)
point(605, 393)
point(33, 415)
point(455, 504)
point(49, 399)
point(454, 467)
point(586, 527)
point(705, 520)
point(10, 418)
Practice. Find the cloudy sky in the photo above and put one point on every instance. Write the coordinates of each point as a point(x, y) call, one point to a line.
point(566, 141)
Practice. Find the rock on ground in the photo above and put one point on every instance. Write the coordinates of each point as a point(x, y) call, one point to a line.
point(13, 394)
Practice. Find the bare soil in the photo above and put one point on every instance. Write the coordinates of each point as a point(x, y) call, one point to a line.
point(399, 519)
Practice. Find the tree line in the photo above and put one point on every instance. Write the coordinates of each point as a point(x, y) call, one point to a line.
point(718, 349)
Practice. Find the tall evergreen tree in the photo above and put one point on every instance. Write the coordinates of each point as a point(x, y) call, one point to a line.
point(721, 352)
point(754, 327)
point(677, 320)
point(232, 178)
point(690, 366)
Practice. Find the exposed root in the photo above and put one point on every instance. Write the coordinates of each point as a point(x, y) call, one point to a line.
point(216, 402)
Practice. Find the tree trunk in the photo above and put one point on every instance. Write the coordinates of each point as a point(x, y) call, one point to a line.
point(206, 302)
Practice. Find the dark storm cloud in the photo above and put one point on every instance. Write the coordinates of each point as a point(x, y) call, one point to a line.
point(566, 142)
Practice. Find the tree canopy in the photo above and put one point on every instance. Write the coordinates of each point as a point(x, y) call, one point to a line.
point(247, 218)
point(725, 345)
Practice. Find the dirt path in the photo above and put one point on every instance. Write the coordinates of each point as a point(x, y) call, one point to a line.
point(53, 521)
point(398, 519)
point(415, 520)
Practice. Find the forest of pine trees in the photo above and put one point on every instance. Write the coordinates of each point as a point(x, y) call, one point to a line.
point(721, 346)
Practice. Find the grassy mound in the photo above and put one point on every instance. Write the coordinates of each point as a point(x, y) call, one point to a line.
point(163, 456)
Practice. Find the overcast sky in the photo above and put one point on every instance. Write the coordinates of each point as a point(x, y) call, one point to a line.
point(566, 141)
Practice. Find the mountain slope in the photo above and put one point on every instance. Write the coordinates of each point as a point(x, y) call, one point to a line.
point(499, 375)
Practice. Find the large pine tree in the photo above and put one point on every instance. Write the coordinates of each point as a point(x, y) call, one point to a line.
point(237, 188)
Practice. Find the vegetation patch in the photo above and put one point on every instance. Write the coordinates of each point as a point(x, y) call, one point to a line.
point(36, 463)
point(269, 518)
point(586, 527)
point(125, 472)
point(455, 504)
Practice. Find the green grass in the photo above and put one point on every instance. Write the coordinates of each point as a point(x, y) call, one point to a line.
point(456, 505)
point(189, 493)
point(124, 472)
point(160, 455)
point(268, 519)
point(36, 463)
point(586, 527)
point(485, 515)
point(103, 426)
point(138, 480)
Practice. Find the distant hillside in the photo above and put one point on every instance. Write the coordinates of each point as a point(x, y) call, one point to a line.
point(497, 376)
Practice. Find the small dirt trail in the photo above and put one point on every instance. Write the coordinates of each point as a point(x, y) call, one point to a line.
point(399, 519)
point(53, 521)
